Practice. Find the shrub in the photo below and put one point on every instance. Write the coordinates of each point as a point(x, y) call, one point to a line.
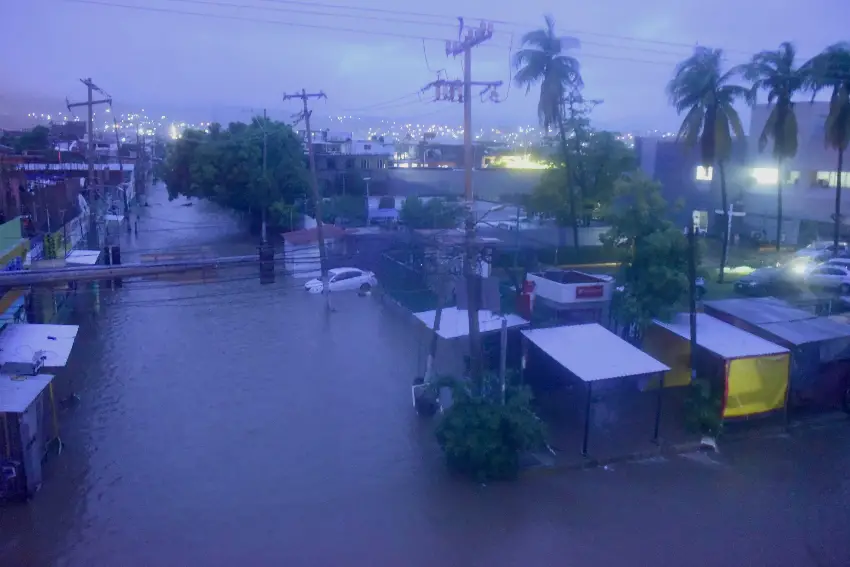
point(482, 438)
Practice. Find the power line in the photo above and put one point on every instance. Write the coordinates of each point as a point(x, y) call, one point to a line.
point(377, 104)
point(342, 29)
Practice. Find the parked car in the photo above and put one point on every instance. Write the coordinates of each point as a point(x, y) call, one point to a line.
point(805, 259)
point(342, 279)
point(765, 281)
point(830, 276)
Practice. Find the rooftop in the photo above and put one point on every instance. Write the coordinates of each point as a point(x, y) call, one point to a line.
point(723, 339)
point(796, 326)
point(592, 353)
point(454, 323)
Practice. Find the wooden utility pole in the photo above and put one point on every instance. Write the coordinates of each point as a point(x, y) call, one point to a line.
point(446, 90)
point(314, 186)
point(577, 109)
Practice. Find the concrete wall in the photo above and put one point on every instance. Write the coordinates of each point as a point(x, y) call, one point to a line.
point(487, 184)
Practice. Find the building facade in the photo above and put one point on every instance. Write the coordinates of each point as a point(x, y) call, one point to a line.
point(691, 190)
point(808, 180)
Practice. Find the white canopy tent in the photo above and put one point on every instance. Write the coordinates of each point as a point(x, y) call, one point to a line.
point(22, 344)
point(592, 353)
point(454, 322)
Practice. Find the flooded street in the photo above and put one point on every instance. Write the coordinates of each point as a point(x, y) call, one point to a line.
point(234, 423)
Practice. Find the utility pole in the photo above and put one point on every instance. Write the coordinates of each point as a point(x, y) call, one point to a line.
point(314, 186)
point(89, 103)
point(446, 90)
point(265, 179)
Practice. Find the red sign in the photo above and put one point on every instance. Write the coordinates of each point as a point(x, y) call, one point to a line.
point(589, 291)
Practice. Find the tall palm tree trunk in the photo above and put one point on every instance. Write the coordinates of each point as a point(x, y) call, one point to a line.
point(725, 204)
point(779, 207)
point(571, 192)
point(836, 234)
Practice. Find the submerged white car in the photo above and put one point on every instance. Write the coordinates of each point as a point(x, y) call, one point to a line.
point(342, 279)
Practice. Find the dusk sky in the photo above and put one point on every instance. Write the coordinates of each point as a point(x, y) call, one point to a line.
point(251, 52)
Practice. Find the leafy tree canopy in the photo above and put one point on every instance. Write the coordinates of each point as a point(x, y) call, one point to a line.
point(436, 212)
point(604, 160)
point(655, 277)
point(33, 140)
point(225, 166)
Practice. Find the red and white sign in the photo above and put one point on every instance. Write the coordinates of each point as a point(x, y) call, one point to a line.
point(589, 291)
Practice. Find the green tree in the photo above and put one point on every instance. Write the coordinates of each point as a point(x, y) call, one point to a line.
point(654, 274)
point(706, 94)
point(542, 60)
point(776, 73)
point(831, 70)
point(483, 438)
point(435, 212)
point(605, 160)
point(225, 166)
point(35, 140)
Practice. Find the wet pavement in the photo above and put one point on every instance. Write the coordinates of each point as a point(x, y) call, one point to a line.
point(232, 422)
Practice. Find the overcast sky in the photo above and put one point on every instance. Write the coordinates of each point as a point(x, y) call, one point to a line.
point(243, 59)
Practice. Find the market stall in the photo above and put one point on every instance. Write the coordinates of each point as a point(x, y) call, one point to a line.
point(752, 372)
point(819, 346)
point(596, 358)
point(453, 350)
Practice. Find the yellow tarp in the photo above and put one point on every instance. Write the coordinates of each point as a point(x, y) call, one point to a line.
point(756, 385)
point(673, 351)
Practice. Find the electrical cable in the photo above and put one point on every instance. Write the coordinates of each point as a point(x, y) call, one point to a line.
point(112, 4)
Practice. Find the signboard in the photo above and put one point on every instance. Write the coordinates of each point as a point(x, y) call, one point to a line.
point(589, 291)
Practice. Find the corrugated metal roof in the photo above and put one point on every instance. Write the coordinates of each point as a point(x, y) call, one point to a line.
point(760, 310)
point(593, 353)
point(721, 338)
point(796, 326)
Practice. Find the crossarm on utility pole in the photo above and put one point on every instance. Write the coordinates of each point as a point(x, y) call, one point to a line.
point(314, 186)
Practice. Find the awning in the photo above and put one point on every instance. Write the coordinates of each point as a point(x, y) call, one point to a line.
point(83, 257)
point(17, 395)
point(454, 323)
point(725, 340)
point(20, 343)
point(592, 353)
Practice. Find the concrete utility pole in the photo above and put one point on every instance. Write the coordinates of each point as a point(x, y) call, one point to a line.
point(89, 103)
point(265, 179)
point(314, 186)
point(446, 90)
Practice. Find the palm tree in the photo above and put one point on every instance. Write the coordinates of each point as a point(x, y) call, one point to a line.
point(831, 70)
point(542, 60)
point(775, 73)
point(707, 95)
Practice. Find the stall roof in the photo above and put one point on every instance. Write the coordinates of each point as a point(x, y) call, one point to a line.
point(17, 395)
point(454, 323)
point(83, 257)
point(19, 342)
point(721, 338)
point(796, 326)
point(592, 352)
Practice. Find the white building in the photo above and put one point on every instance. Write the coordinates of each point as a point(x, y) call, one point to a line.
point(809, 179)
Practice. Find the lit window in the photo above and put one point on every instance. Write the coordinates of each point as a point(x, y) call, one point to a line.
point(766, 175)
point(830, 179)
point(704, 173)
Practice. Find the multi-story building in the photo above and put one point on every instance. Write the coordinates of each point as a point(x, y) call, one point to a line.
point(809, 180)
point(691, 190)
